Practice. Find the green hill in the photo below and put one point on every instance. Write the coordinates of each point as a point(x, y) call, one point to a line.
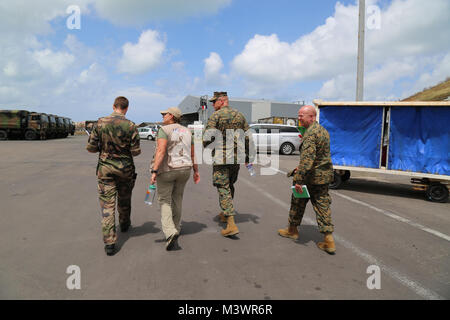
point(439, 92)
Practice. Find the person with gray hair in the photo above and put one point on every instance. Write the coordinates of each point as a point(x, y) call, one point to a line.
point(170, 169)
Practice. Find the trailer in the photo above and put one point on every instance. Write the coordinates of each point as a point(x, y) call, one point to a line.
point(399, 138)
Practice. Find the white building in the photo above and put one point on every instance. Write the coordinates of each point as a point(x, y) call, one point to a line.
point(253, 110)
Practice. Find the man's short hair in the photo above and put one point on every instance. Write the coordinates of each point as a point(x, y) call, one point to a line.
point(121, 103)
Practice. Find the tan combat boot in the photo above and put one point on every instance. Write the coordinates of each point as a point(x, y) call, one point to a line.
point(231, 229)
point(222, 217)
point(327, 246)
point(289, 232)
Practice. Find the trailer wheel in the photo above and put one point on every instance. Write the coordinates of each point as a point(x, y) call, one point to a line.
point(337, 181)
point(3, 135)
point(437, 192)
point(346, 176)
point(30, 135)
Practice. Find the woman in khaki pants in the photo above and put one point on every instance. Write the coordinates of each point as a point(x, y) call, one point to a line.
point(171, 169)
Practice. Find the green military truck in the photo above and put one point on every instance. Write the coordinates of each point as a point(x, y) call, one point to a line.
point(52, 126)
point(70, 125)
point(66, 124)
point(24, 124)
point(59, 130)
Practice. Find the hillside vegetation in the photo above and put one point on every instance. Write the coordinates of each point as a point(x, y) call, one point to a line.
point(439, 92)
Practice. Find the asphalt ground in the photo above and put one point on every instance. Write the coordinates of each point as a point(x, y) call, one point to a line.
point(50, 220)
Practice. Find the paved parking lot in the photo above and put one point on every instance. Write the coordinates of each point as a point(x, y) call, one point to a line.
point(50, 220)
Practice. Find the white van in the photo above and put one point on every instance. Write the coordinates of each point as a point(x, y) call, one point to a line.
point(276, 137)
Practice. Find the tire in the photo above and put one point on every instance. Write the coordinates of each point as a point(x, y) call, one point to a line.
point(287, 148)
point(149, 137)
point(336, 182)
point(437, 192)
point(3, 135)
point(30, 135)
point(346, 176)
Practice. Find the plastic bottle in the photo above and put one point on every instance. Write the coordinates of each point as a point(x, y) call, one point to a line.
point(251, 170)
point(150, 195)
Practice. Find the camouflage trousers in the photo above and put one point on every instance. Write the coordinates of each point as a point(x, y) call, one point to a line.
point(224, 178)
point(109, 191)
point(320, 200)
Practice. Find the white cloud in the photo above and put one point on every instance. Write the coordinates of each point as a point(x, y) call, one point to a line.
point(411, 30)
point(143, 56)
point(212, 69)
point(55, 62)
point(325, 51)
point(138, 12)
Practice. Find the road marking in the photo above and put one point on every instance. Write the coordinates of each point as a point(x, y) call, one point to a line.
point(387, 213)
point(394, 216)
point(414, 286)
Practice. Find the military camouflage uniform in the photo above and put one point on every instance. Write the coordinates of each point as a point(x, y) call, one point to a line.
point(117, 140)
point(227, 163)
point(315, 170)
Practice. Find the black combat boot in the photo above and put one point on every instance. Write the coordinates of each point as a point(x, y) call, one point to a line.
point(110, 249)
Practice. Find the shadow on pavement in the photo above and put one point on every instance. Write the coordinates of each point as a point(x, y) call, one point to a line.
point(308, 233)
point(382, 188)
point(122, 237)
point(239, 218)
point(191, 227)
point(246, 217)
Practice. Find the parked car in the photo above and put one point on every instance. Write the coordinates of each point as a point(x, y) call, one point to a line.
point(147, 133)
point(276, 137)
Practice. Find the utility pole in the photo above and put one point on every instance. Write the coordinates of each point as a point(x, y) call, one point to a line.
point(360, 71)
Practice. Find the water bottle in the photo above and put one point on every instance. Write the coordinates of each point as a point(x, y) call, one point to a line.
point(150, 195)
point(251, 170)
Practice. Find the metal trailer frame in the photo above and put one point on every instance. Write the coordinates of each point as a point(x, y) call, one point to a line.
point(435, 186)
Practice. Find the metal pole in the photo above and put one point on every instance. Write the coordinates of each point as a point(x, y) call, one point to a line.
point(360, 71)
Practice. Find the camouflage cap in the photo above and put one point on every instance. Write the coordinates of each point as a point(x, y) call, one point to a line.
point(218, 94)
point(173, 111)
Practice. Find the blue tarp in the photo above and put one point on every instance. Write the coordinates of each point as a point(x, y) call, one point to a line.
point(355, 134)
point(420, 139)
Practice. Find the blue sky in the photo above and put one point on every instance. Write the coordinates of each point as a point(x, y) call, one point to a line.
point(156, 52)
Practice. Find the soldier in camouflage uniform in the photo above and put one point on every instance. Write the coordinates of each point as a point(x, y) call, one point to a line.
point(117, 141)
point(315, 170)
point(227, 161)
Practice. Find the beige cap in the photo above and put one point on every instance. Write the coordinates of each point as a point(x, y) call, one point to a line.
point(173, 111)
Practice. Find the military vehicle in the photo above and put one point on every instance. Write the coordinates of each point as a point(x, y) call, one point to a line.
point(52, 126)
point(40, 123)
point(71, 126)
point(66, 127)
point(59, 129)
point(23, 123)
